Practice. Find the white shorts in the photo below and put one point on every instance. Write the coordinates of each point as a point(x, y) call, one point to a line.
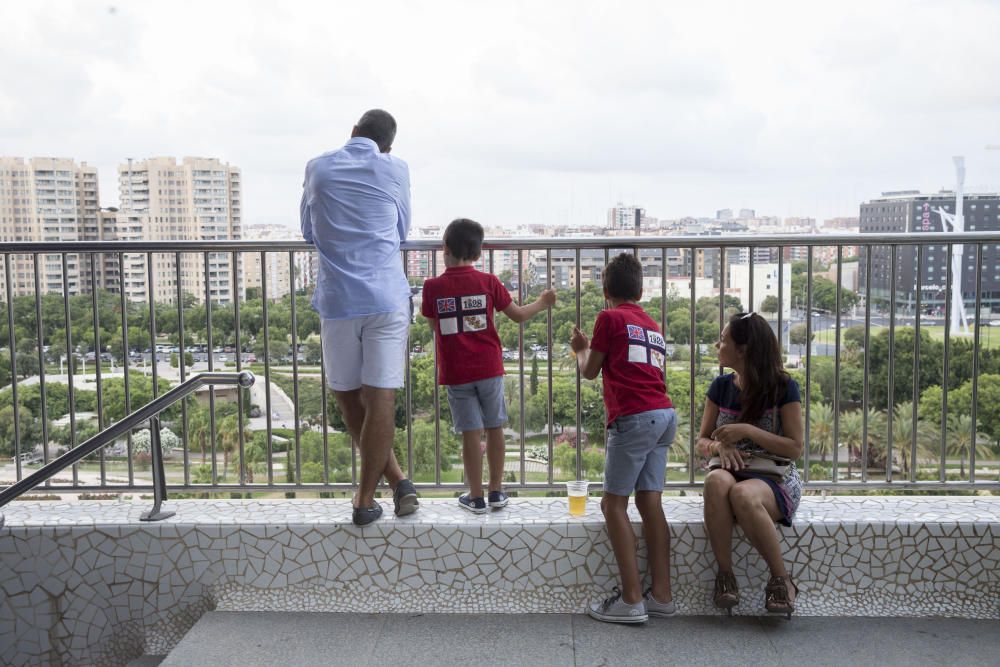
point(368, 350)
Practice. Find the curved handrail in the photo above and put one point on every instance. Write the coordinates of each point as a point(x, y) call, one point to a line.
point(118, 429)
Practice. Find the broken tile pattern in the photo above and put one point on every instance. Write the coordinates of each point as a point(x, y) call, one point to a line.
point(88, 583)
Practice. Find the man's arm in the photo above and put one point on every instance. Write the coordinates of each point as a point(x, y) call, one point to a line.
point(305, 217)
point(403, 204)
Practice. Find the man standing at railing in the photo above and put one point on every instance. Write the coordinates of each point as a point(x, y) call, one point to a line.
point(356, 210)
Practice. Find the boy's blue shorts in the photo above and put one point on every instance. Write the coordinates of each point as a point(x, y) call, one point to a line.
point(636, 455)
point(477, 405)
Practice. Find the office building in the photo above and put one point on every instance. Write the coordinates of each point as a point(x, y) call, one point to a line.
point(910, 212)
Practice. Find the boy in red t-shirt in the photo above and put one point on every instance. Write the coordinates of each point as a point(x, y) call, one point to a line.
point(470, 359)
point(629, 351)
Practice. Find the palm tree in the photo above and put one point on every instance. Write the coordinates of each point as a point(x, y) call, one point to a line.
point(821, 429)
point(851, 426)
point(960, 440)
point(229, 441)
point(255, 455)
point(199, 429)
point(902, 435)
point(876, 437)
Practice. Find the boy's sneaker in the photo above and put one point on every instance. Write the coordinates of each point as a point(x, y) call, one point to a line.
point(365, 515)
point(656, 608)
point(616, 610)
point(404, 498)
point(474, 505)
point(498, 499)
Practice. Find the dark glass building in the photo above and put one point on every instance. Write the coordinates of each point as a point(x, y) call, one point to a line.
point(910, 212)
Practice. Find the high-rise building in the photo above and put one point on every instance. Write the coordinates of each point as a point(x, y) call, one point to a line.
point(48, 199)
point(747, 214)
point(198, 199)
point(910, 212)
point(275, 268)
point(625, 217)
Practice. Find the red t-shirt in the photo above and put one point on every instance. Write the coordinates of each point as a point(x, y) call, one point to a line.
point(634, 354)
point(461, 302)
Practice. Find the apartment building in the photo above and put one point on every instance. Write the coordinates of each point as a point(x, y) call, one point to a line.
point(197, 199)
point(49, 199)
point(272, 268)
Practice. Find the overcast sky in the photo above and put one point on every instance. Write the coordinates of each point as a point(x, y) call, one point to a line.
point(509, 112)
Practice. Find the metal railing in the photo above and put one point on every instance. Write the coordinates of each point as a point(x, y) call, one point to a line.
point(232, 302)
point(150, 411)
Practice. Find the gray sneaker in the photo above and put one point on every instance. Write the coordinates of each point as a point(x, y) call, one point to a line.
point(404, 498)
point(616, 610)
point(656, 608)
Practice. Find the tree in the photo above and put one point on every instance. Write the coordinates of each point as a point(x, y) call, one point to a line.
point(168, 441)
point(313, 349)
point(931, 354)
point(229, 441)
point(961, 439)
point(30, 429)
point(903, 436)
point(800, 335)
point(821, 429)
point(769, 304)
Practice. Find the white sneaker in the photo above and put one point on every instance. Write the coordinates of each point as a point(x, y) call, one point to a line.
point(656, 608)
point(616, 610)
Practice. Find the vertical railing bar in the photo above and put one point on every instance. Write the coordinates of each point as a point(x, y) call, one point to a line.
point(41, 364)
point(691, 362)
point(13, 370)
point(154, 422)
point(211, 367)
point(97, 362)
point(975, 363)
point(836, 372)
point(69, 363)
point(267, 365)
point(295, 371)
point(891, 387)
point(722, 295)
point(750, 262)
point(521, 295)
point(182, 368)
point(579, 407)
point(914, 404)
point(808, 388)
point(866, 385)
point(946, 363)
point(240, 406)
point(548, 327)
point(781, 298)
point(409, 380)
point(324, 397)
point(437, 398)
point(125, 365)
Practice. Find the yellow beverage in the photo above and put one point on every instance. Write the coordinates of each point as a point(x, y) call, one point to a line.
point(577, 505)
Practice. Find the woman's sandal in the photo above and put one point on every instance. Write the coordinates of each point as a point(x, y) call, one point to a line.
point(776, 596)
point(727, 593)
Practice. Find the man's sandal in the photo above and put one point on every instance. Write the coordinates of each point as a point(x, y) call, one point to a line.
point(776, 596)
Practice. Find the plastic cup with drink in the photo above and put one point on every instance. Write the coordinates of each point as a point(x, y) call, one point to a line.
point(576, 491)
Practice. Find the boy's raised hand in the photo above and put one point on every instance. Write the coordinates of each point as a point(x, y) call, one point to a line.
point(548, 297)
point(579, 341)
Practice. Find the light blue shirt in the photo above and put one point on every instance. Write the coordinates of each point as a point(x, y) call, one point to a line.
point(356, 210)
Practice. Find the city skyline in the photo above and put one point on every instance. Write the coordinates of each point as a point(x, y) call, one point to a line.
point(791, 110)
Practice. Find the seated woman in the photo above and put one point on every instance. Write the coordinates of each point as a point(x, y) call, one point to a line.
point(755, 409)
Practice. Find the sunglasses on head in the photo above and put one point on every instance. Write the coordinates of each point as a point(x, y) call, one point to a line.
point(744, 316)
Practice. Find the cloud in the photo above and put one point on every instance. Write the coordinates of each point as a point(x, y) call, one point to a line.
point(521, 112)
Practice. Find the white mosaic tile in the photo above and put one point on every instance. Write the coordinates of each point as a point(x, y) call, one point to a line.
point(124, 587)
